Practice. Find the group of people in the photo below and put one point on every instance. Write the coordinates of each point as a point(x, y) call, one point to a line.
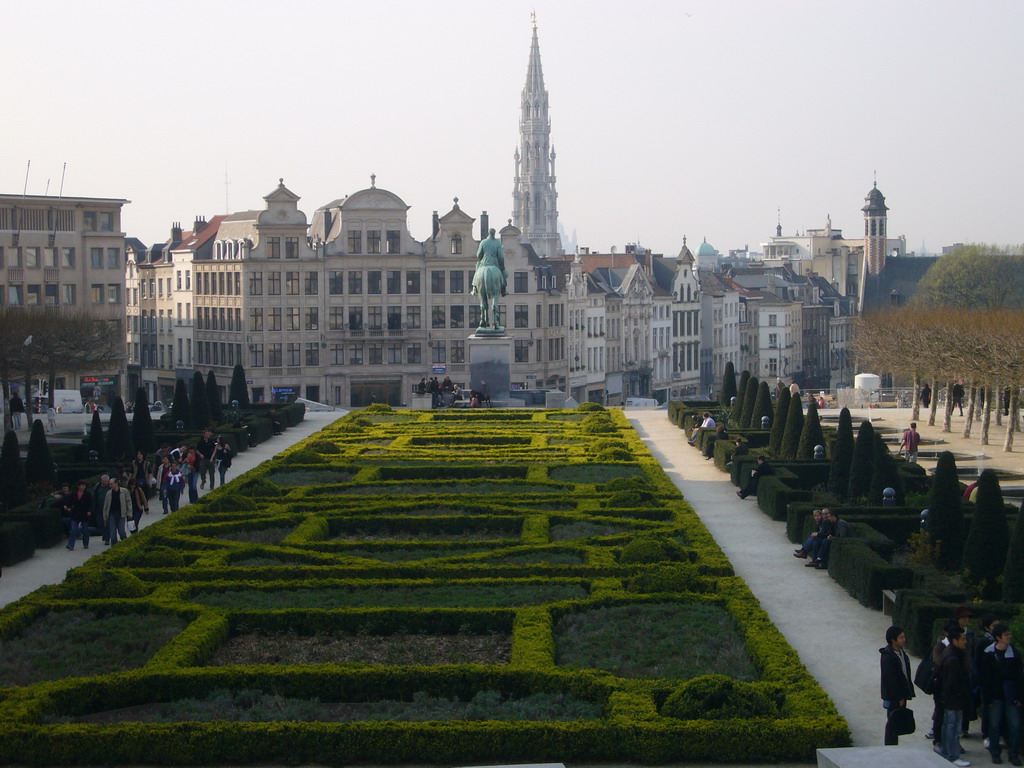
point(447, 393)
point(114, 506)
point(969, 675)
point(827, 526)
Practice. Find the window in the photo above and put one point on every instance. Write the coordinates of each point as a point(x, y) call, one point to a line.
point(373, 241)
point(256, 319)
point(522, 351)
point(69, 294)
point(114, 262)
point(355, 282)
point(256, 355)
point(113, 294)
point(413, 354)
point(14, 257)
point(273, 283)
point(95, 258)
point(521, 316)
point(474, 315)
point(456, 245)
point(33, 296)
point(311, 285)
point(177, 285)
point(412, 281)
point(31, 258)
point(51, 258)
point(275, 357)
point(412, 318)
point(67, 256)
point(437, 281)
point(293, 319)
point(521, 282)
point(312, 319)
point(355, 354)
point(376, 354)
point(773, 340)
point(336, 282)
point(312, 353)
point(256, 284)
point(374, 318)
point(394, 318)
point(437, 316)
point(106, 221)
point(456, 282)
point(273, 247)
point(221, 291)
point(458, 352)
point(373, 282)
point(355, 241)
point(458, 318)
point(394, 241)
point(15, 297)
point(355, 318)
point(437, 353)
point(291, 247)
point(394, 354)
point(291, 283)
point(274, 318)
point(89, 220)
point(772, 320)
point(394, 278)
point(337, 354)
point(335, 318)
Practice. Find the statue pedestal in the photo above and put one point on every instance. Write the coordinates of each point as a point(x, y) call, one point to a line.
point(490, 365)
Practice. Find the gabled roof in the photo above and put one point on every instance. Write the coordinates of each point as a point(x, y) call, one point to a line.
point(900, 274)
point(193, 242)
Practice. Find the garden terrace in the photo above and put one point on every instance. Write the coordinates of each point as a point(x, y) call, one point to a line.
point(495, 585)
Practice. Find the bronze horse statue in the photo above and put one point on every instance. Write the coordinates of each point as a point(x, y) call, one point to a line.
point(490, 281)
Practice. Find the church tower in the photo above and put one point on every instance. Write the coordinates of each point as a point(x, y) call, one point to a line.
point(874, 230)
point(534, 200)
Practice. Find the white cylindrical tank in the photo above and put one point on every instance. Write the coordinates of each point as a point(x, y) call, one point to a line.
point(867, 386)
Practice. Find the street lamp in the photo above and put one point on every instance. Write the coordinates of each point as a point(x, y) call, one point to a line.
point(28, 379)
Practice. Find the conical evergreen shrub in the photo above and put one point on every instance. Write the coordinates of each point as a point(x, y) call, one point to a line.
point(13, 491)
point(238, 390)
point(213, 399)
point(946, 517)
point(863, 462)
point(779, 422)
point(842, 456)
point(811, 435)
point(180, 409)
point(762, 405)
point(198, 404)
point(96, 441)
point(142, 424)
point(985, 550)
point(794, 426)
point(749, 398)
point(38, 462)
point(728, 385)
point(884, 474)
point(119, 434)
point(1013, 575)
point(741, 392)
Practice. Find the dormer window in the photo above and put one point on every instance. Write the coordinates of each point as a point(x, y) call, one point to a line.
point(456, 245)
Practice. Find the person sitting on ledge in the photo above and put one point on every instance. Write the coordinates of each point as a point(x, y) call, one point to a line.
point(839, 529)
point(763, 469)
point(808, 546)
point(706, 423)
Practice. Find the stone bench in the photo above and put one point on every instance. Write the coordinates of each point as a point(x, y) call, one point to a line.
point(917, 756)
point(888, 602)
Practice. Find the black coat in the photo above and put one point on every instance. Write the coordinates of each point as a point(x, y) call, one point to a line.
point(995, 669)
point(954, 679)
point(896, 682)
point(78, 509)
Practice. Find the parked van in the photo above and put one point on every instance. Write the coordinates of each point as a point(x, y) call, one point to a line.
point(641, 402)
point(65, 400)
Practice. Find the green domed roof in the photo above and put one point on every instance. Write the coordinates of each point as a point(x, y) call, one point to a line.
point(706, 249)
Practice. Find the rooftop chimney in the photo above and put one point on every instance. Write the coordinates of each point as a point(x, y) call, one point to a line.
point(176, 231)
point(485, 224)
point(199, 225)
point(437, 226)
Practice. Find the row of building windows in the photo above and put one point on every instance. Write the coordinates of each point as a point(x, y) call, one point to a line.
point(392, 241)
point(230, 283)
point(162, 355)
point(32, 257)
point(52, 295)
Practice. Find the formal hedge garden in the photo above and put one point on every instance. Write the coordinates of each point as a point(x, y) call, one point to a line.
point(415, 586)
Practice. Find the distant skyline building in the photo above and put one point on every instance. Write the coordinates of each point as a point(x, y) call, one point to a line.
point(534, 199)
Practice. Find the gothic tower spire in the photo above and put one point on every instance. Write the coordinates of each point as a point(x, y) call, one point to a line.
point(534, 199)
point(875, 215)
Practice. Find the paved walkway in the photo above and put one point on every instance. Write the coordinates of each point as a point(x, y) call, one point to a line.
point(49, 566)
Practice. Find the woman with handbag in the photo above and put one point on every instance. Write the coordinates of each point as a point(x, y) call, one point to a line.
point(223, 456)
point(140, 504)
point(897, 686)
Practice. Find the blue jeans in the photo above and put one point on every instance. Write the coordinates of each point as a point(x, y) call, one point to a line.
point(77, 526)
point(172, 499)
point(193, 487)
point(116, 527)
point(221, 470)
point(998, 711)
point(951, 727)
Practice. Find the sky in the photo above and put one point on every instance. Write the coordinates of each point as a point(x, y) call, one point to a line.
point(696, 118)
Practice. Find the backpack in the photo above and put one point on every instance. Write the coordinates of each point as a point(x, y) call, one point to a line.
point(927, 675)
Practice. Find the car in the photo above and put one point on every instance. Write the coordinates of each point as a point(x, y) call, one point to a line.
point(157, 407)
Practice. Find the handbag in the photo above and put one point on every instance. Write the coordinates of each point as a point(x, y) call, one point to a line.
point(924, 676)
point(132, 526)
point(901, 721)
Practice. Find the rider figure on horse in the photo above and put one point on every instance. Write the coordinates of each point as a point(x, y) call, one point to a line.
point(491, 280)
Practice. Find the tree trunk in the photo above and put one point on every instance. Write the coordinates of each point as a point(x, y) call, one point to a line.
point(5, 383)
point(915, 412)
point(972, 396)
point(934, 404)
point(999, 406)
point(947, 411)
point(1012, 419)
point(987, 412)
point(29, 410)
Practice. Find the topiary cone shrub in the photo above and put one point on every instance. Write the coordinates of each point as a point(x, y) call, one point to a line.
point(779, 423)
point(39, 469)
point(811, 434)
point(119, 434)
point(180, 409)
point(728, 385)
point(142, 424)
point(762, 406)
point(213, 403)
point(884, 474)
point(985, 550)
point(96, 441)
point(946, 517)
point(794, 426)
point(13, 491)
point(749, 398)
point(198, 405)
point(863, 462)
point(842, 456)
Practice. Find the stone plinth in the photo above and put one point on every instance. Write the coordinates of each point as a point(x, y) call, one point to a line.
point(490, 365)
point(421, 402)
point(917, 756)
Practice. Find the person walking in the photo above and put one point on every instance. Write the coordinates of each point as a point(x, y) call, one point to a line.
point(206, 448)
point(78, 506)
point(897, 684)
point(1001, 675)
point(174, 484)
point(117, 507)
point(958, 396)
point(911, 441)
point(140, 504)
point(161, 482)
point(926, 396)
point(223, 458)
point(190, 471)
point(17, 408)
point(955, 694)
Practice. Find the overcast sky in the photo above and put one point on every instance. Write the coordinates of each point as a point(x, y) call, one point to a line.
point(673, 118)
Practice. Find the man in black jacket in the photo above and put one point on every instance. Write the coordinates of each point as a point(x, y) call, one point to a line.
point(1001, 675)
point(954, 692)
point(762, 470)
point(897, 687)
point(205, 448)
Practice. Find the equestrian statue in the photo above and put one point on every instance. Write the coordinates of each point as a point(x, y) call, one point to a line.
point(490, 282)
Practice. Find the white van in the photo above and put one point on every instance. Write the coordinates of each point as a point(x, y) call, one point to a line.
point(68, 400)
point(641, 402)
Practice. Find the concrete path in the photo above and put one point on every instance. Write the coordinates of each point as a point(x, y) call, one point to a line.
point(49, 566)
